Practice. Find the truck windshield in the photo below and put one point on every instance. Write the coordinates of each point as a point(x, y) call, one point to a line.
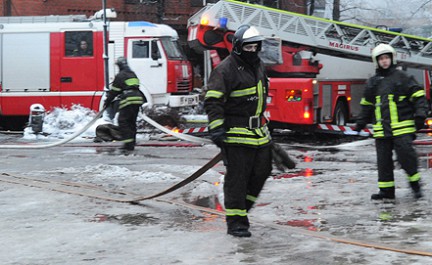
point(173, 49)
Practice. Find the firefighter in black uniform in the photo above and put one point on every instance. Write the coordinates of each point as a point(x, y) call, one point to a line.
point(126, 86)
point(396, 104)
point(235, 102)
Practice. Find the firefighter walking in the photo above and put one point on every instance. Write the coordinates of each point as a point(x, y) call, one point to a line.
point(235, 102)
point(397, 105)
point(126, 87)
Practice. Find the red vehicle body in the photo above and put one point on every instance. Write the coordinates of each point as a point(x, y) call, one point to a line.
point(317, 79)
point(299, 97)
point(41, 63)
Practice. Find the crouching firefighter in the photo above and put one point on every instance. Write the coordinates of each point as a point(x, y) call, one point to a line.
point(397, 105)
point(235, 102)
point(126, 87)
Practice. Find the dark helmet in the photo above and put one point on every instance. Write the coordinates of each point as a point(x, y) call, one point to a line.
point(245, 34)
point(122, 63)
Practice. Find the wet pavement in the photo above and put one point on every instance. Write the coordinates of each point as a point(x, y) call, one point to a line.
point(308, 215)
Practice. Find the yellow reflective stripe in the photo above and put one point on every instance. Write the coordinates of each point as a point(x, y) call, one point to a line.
point(378, 110)
point(131, 101)
point(418, 93)
point(235, 212)
point(260, 99)
point(248, 141)
point(130, 140)
point(364, 102)
point(214, 94)
point(238, 130)
point(216, 123)
point(251, 198)
point(378, 134)
point(243, 92)
point(393, 110)
point(387, 184)
point(415, 177)
point(258, 131)
point(401, 124)
point(132, 82)
point(404, 131)
point(113, 88)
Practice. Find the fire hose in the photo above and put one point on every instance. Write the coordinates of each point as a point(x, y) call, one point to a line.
point(73, 136)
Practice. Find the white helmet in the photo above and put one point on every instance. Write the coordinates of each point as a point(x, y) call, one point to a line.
point(246, 34)
point(383, 49)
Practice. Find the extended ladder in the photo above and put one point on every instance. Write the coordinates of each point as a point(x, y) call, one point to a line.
point(321, 35)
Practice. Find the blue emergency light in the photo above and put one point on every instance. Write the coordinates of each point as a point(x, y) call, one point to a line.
point(223, 21)
point(141, 24)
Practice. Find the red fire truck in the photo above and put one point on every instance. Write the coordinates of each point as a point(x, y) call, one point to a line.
point(41, 61)
point(323, 64)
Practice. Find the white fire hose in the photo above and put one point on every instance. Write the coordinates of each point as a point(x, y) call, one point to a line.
point(180, 136)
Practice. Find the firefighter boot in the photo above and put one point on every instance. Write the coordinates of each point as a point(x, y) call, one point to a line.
point(384, 193)
point(238, 226)
point(239, 232)
point(416, 188)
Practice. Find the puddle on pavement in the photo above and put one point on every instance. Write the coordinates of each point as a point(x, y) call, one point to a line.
point(126, 219)
point(309, 224)
point(307, 172)
point(389, 216)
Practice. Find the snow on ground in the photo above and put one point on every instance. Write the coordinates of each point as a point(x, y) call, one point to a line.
point(294, 221)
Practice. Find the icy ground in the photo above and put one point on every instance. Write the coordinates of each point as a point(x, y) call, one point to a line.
point(308, 215)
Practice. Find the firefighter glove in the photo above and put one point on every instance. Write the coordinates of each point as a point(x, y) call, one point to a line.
point(218, 136)
point(419, 123)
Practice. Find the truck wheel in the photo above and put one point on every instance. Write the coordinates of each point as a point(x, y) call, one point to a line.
point(340, 114)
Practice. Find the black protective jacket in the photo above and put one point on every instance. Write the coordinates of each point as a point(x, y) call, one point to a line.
point(236, 100)
point(126, 84)
point(392, 100)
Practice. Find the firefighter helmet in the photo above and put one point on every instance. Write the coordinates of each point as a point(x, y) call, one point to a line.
point(122, 62)
point(383, 49)
point(246, 34)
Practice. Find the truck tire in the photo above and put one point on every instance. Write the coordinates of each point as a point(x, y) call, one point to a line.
point(340, 114)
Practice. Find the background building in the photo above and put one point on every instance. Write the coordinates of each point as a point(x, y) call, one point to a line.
point(172, 12)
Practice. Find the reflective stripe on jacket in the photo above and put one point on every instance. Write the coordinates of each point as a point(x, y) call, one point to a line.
point(236, 97)
point(391, 102)
point(126, 83)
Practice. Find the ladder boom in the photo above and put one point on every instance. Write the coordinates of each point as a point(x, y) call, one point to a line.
point(320, 35)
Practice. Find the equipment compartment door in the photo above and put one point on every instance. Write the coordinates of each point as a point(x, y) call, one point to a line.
point(25, 65)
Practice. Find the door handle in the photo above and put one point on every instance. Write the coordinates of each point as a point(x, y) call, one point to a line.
point(66, 79)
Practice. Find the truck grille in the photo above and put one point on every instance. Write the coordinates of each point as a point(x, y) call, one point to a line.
point(183, 85)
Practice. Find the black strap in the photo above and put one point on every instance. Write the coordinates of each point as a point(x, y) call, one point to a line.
point(247, 122)
point(182, 183)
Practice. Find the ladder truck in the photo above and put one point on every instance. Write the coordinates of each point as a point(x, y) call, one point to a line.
point(325, 63)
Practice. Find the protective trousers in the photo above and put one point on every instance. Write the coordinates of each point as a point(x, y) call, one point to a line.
point(127, 123)
point(247, 170)
point(406, 156)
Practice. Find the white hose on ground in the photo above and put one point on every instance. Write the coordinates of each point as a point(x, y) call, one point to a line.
point(180, 136)
point(40, 146)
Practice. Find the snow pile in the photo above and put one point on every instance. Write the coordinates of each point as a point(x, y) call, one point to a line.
point(61, 123)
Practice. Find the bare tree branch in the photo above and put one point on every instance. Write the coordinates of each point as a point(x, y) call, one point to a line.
point(420, 7)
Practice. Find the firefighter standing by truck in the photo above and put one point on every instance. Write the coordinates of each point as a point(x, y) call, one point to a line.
point(126, 87)
point(235, 102)
point(398, 105)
